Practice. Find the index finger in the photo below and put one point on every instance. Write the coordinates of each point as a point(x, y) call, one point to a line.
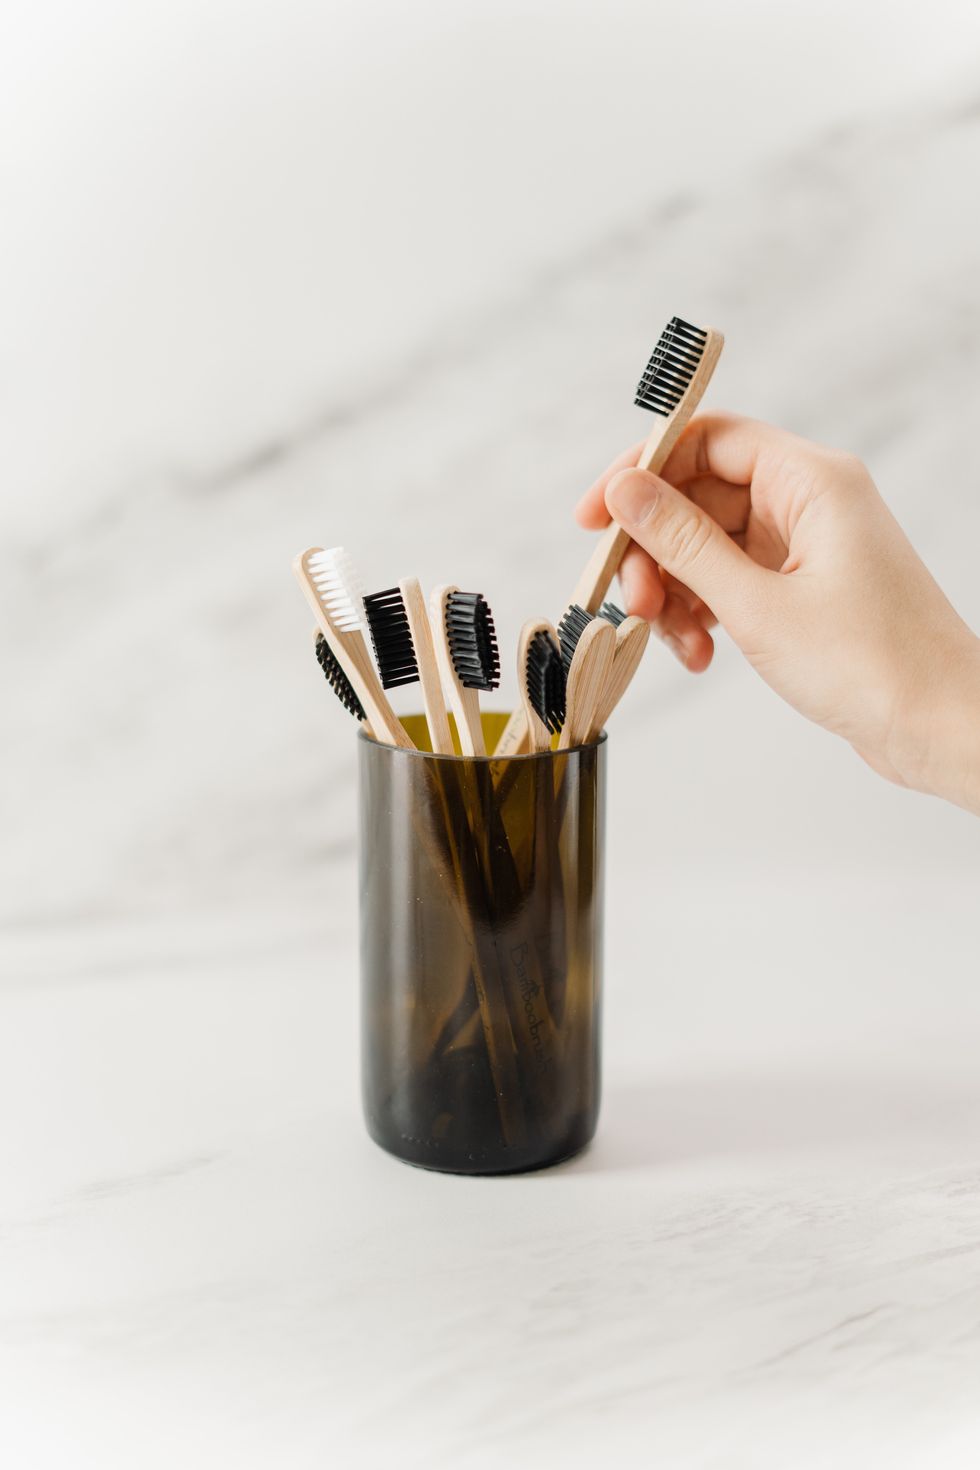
point(591, 510)
point(725, 445)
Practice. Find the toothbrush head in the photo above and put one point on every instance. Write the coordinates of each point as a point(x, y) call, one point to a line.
point(337, 679)
point(545, 680)
point(472, 640)
point(338, 587)
point(612, 614)
point(391, 635)
point(668, 374)
point(573, 624)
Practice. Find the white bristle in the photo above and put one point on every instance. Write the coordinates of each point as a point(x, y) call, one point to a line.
point(335, 578)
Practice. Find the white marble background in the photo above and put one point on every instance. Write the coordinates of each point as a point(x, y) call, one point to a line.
point(380, 274)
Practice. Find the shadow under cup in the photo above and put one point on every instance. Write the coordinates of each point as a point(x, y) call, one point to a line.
point(481, 952)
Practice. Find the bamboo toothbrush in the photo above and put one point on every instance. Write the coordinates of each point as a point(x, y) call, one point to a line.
point(538, 642)
point(570, 630)
point(542, 680)
point(588, 671)
point(404, 652)
point(672, 387)
point(336, 678)
point(632, 637)
point(612, 614)
point(572, 624)
point(329, 583)
point(466, 649)
point(432, 692)
point(514, 739)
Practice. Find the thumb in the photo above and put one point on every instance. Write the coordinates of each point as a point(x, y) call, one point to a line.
point(686, 542)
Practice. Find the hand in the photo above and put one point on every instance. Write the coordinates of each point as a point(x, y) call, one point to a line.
point(792, 549)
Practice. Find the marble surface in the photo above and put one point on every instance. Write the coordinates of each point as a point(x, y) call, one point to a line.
point(771, 1254)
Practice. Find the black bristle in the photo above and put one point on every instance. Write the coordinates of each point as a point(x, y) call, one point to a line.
point(472, 640)
point(669, 372)
point(392, 638)
point(337, 679)
point(545, 678)
point(612, 614)
point(570, 629)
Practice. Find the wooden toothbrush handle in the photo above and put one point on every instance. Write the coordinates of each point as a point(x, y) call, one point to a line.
point(604, 562)
point(514, 739)
point(587, 676)
point(632, 637)
point(601, 568)
point(425, 655)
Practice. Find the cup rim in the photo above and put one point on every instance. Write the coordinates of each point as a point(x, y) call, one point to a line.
point(476, 760)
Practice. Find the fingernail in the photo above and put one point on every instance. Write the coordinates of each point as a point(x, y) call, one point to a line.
point(676, 647)
point(631, 496)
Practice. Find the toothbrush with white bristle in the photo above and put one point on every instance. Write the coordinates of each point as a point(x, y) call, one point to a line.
point(331, 587)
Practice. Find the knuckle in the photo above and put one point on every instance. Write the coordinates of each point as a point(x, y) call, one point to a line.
point(684, 539)
point(849, 467)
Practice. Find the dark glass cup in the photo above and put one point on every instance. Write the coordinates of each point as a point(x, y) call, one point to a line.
point(481, 952)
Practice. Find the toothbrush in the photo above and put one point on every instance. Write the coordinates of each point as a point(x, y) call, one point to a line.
point(588, 670)
point(432, 692)
point(404, 652)
point(514, 739)
point(632, 637)
point(612, 614)
point(571, 625)
point(672, 386)
point(336, 678)
point(329, 583)
point(574, 622)
point(466, 648)
point(524, 722)
point(391, 638)
point(542, 681)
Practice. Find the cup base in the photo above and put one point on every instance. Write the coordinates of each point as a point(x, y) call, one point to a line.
point(427, 1154)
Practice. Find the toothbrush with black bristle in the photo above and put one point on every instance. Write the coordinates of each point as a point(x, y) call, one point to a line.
point(612, 614)
point(574, 621)
point(542, 680)
point(522, 731)
point(632, 636)
point(571, 625)
point(336, 678)
point(466, 648)
point(519, 730)
point(672, 386)
point(589, 662)
point(403, 648)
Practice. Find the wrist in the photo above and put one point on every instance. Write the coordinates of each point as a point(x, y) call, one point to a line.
point(949, 764)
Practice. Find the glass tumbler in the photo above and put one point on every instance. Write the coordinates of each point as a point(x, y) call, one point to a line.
point(481, 901)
